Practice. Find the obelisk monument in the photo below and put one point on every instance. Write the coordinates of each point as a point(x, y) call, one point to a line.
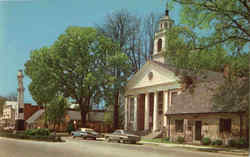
point(20, 102)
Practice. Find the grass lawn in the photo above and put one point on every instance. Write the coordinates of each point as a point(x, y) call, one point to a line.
point(157, 140)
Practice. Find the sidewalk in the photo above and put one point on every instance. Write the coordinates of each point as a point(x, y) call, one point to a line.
point(232, 151)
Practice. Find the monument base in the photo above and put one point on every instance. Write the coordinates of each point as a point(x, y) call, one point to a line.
point(19, 124)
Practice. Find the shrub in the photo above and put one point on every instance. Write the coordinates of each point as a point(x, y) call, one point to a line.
point(180, 139)
point(166, 139)
point(37, 132)
point(242, 143)
point(70, 127)
point(217, 142)
point(232, 143)
point(206, 141)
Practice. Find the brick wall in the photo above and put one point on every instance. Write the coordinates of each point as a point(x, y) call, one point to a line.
point(29, 110)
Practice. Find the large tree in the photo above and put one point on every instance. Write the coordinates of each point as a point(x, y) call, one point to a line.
point(78, 66)
point(225, 22)
point(225, 44)
point(135, 37)
point(42, 86)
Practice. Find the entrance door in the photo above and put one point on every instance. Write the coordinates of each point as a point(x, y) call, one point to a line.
point(198, 130)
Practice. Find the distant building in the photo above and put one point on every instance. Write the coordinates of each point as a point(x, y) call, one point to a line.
point(8, 118)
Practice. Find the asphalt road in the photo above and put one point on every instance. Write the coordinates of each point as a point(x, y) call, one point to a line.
point(89, 148)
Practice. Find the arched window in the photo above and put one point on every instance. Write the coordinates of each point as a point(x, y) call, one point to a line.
point(159, 45)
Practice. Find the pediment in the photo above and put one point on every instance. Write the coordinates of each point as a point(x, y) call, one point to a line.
point(151, 74)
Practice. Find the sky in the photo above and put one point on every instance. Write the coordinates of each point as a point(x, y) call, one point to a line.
point(26, 25)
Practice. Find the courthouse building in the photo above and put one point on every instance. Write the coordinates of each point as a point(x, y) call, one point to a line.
point(156, 102)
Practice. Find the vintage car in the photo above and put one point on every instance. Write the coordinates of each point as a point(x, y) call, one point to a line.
point(122, 136)
point(85, 133)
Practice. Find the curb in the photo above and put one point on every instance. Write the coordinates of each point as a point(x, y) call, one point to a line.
point(199, 148)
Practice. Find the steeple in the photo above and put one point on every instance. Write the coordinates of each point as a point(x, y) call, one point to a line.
point(159, 44)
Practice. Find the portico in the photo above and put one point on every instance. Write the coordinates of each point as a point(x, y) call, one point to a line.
point(148, 96)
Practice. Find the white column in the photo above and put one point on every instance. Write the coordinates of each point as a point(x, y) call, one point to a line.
point(165, 106)
point(135, 113)
point(126, 113)
point(146, 111)
point(155, 122)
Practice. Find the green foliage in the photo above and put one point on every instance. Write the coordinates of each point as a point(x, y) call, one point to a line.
point(37, 132)
point(239, 143)
point(232, 143)
point(206, 141)
point(108, 117)
point(232, 96)
point(217, 142)
point(180, 139)
point(70, 127)
point(39, 136)
point(225, 22)
point(165, 140)
point(80, 65)
point(57, 110)
point(186, 49)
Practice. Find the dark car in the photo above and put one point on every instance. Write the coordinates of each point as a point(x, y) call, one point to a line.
point(122, 136)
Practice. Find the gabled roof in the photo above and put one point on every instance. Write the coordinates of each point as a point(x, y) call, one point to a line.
point(204, 75)
point(35, 116)
point(151, 65)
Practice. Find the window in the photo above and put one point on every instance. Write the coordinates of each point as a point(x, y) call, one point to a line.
point(179, 125)
point(159, 45)
point(117, 132)
point(225, 125)
point(132, 103)
point(172, 95)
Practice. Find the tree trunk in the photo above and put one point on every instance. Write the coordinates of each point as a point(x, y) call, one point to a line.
point(241, 125)
point(83, 118)
point(116, 111)
point(54, 129)
point(45, 116)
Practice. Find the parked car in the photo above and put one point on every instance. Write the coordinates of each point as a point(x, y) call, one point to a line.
point(85, 133)
point(122, 136)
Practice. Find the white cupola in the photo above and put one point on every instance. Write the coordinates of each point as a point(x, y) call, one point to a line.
point(160, 36)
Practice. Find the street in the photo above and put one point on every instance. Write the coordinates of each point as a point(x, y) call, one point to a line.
point(89, 148)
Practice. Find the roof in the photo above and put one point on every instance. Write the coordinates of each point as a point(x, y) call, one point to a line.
point(35, 116)
point(200, 101)
point(13, 104)
point(204, 75)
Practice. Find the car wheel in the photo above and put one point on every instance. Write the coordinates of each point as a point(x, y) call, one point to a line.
point(84, 138)
point(107, 139)
point(133, 142)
